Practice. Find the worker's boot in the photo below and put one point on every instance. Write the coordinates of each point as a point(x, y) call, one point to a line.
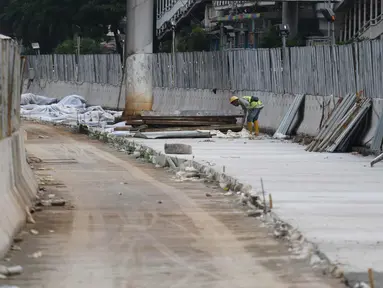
point(250, 129)
point(256, 128)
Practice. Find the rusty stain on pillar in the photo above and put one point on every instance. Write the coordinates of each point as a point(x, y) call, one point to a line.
point(139, 46)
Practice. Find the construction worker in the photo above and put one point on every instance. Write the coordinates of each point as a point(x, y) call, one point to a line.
point(251, 106)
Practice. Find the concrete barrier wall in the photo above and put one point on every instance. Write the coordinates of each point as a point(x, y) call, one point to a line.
point(95, 94)
point(18, 186)
point(172, 99)
point(276, 105)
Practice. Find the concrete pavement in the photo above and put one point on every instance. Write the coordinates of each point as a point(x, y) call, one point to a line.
point(334, 199)
point(132, 226)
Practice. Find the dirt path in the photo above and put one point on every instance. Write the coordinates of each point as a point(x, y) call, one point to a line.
point(133, 226)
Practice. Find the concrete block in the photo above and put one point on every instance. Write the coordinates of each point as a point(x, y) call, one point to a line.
point(13, 215)
point(177, 148)
point(26, 171)
point(160, 160)
point(18, 187)
point(23, 196)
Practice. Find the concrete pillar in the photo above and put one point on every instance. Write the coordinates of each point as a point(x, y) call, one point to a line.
point(139, 46)
point(290, 16)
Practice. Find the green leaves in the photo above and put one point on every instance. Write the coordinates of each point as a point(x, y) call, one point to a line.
point(193, 40)
point(51, 22)
point(87, 46)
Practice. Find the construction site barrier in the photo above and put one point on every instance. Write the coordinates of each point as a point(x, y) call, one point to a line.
point(18, 186)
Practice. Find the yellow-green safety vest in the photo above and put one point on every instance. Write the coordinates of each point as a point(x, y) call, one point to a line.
point(253, 104)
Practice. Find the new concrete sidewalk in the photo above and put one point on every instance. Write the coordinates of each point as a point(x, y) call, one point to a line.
point(336, 200)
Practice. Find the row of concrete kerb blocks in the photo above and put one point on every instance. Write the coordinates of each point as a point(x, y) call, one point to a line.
point(18, 188)
point(243, 192)
point(141, 151)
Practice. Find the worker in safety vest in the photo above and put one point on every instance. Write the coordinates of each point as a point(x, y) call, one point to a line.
point(251, 106)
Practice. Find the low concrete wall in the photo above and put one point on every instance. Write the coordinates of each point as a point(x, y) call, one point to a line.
point(95, 94)
point(276, 106)
point(18, 187)
point(173, 99)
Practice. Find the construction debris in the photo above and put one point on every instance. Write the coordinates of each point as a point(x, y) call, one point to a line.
point(146, 128)
point(14, 270)
point(37, 254)
point(9, 271)
point(184, 120)
point(15, 247)
point(173, 134)
point(34, 232)
point(58, 202)
point(20, 237)
point(188, 174)
point(376, 160)
point(29, 217)
point(254, 213)
point(184, 124)
point(284, 128)
point(336, 134)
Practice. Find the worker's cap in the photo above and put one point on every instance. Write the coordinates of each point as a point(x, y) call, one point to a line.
point(233, 98)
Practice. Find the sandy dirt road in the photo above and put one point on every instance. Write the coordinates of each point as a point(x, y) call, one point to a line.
point(131, 225)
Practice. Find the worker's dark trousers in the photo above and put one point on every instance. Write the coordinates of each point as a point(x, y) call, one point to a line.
point(253, 114)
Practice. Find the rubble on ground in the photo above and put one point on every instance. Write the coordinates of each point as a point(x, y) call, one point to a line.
point(11, 270)
point(303, 139)
point(35, 255)
point(34, 232)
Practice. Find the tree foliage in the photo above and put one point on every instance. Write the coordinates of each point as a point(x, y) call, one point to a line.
point(50, 22)
point(271, 39)
point(193, 39)
point(87, 46)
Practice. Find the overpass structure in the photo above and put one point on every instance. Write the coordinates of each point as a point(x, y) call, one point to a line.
point(173, 11)
point(169, 14)
point(360, 19)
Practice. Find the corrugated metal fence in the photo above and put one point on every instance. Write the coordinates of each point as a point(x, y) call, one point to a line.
point(10, 86)
point(315, 70)
point(103, 69)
